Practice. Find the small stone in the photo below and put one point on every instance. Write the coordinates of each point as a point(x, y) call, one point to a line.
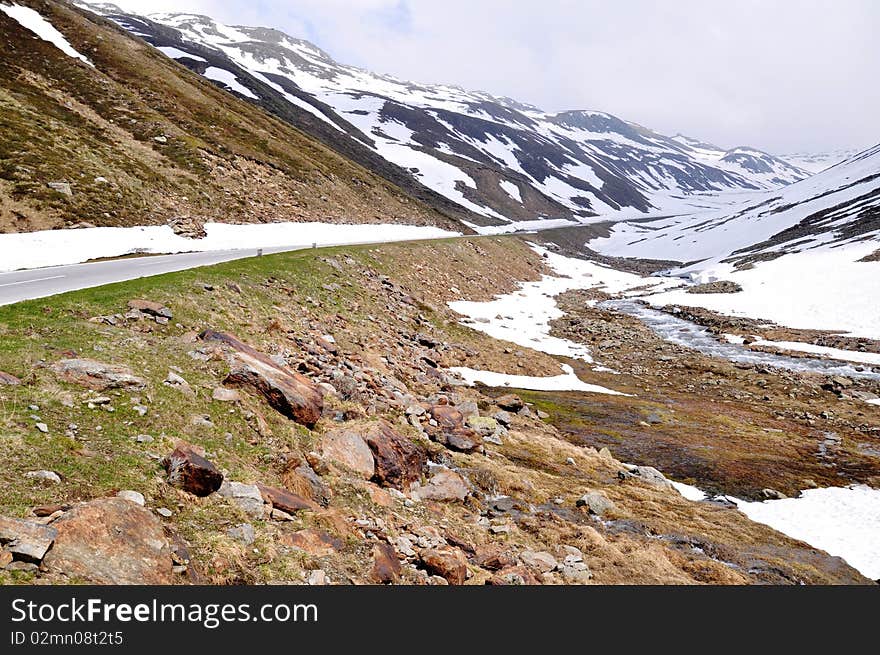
point(541, 561)
point(163, 511)
point(510, 402)
point(191, 472)
point(224, 395)
point(570, 461)
point(246, 497)
point(42, 427)
point(48, 476)
point(133, 496)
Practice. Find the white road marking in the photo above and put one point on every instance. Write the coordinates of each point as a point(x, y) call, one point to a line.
point(39, 279)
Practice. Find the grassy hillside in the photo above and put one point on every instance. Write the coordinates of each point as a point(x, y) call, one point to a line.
point(141, 140)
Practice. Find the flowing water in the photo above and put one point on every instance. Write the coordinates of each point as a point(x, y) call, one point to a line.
point(685, 333)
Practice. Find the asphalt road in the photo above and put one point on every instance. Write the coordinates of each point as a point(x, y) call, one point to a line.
point(41, 282)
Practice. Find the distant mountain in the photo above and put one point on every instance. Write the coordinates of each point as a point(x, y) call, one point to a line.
point(832, 209)
point(753, 164)
point(500, 159)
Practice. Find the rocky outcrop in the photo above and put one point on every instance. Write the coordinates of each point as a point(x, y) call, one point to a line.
point(720, 286)
point(97, 375)
point(287, 391)
point(398, 461)
point(190, 471)
point(111, 541)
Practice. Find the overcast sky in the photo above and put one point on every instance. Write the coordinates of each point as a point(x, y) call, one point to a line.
point(781, 75)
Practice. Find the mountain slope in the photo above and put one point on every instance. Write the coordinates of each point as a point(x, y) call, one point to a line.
point(756, 165)
point(496, 157)
point(129, 137)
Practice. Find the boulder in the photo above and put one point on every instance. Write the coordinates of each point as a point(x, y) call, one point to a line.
point(386, 565)
point(97, 375)
point(288, 392)
point(399, 462)
point(243, 533)
point(595, 503)
point(350, 450)
point(285, 500)
point(132, 496)
point(444, 484)
point(28, 541)
point(510, 402)
point(447, 562)
point(483, 425)
point(538, 560)
point(189, 471)
point(8, 380)
point(151, 308)
point(647, 474)
point(111, 541)
point(494, 557)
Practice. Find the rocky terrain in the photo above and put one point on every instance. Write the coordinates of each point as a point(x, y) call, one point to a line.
point(289, 419)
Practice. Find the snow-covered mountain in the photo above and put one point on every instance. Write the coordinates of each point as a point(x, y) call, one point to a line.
point(750, 163)
point(502, 159)
point(831, 210)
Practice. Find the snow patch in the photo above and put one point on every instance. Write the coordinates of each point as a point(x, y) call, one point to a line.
point(568, 381)
point(34, 22)
point(225, 77)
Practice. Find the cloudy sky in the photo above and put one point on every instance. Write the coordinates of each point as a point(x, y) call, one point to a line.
point(782, 75)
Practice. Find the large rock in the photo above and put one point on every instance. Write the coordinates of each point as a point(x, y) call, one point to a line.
point(8, 380)
point(451, 431)
point(247, 497)
point(189, 471)
point(511, 402)
point(111, 541)
point(285, 500)
point(595, 503)
point(290, 393)
point(350, 450)
point(399, 462)
point(26, 540)
point(386, 566)
point(447, 562)
point(444, 484)
point(97, 375)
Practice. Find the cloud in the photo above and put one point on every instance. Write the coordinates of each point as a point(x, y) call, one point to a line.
point(774, 74)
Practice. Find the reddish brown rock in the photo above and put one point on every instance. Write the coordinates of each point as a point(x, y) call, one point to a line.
point(386, 565)
point(97, 375)
point(8, 380)
point(399, 462)
point(111, 541)
point(189, 471)
point(511, 402)
point(447, 562)
point(151, 308)
point(494, 557)
point(285, 500)
point(451, 430)
point(288, 392)
point(313, 542)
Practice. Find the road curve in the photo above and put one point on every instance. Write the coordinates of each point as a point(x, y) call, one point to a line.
point(16, 286)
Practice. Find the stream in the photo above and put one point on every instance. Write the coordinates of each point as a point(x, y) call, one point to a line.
point(691, 335)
